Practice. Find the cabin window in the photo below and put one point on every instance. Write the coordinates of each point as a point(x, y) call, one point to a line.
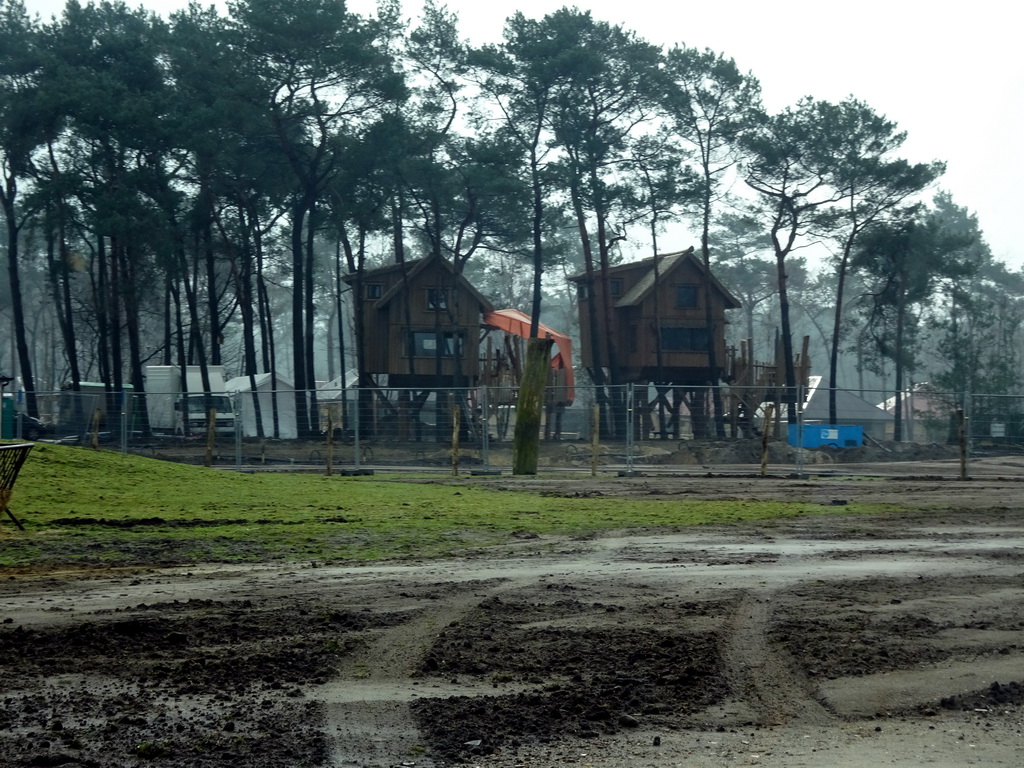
point(684, 339)
point(437, 299)
point(615, 286)
point(433, 344)
point(583, 290)
point(373, 290)
point(686, 297)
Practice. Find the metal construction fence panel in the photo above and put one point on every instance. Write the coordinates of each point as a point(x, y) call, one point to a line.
point(627, 427)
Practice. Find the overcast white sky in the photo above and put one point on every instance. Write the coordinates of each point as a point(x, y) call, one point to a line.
point(951, 75)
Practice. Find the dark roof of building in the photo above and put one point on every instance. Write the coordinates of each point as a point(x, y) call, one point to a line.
point(414, 268)
point(667, 263)
point(850, 409)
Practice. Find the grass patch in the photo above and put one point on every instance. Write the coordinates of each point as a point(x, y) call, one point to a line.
point(83, 507)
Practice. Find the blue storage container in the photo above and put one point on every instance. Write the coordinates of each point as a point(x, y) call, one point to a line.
point(830, 435)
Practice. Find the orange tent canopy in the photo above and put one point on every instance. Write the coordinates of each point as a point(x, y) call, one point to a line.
point(518, 324)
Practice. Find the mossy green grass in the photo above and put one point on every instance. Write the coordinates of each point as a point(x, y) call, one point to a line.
point(86, 507)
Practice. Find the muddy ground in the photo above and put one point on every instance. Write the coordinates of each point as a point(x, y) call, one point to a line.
point(820, 641)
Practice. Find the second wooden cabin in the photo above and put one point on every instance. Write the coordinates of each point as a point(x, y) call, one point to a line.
point(654, 322)
point(651, 307)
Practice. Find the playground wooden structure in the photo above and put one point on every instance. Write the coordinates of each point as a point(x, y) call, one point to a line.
point(752, 383)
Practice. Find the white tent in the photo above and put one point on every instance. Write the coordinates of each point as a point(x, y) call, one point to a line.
point(269, 392)
point(331, 390)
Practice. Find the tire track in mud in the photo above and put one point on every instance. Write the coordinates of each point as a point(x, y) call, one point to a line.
point(368, 718)
point(763, 676)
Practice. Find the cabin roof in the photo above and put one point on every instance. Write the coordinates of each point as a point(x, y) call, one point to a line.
point(415, 268)
point(667, 264)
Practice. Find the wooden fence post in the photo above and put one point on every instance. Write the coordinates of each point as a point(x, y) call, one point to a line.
point(764, 438)
point(454, 406)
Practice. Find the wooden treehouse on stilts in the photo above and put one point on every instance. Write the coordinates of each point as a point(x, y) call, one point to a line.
point(657, 324)
point(426, 334)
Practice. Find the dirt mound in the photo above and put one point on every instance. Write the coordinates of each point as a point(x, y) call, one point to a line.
point(589, 680)
point(198, 683)
point(891, 451)
point(721, 452)
point(998, 694)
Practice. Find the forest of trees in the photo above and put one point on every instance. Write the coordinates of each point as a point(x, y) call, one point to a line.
point(192, 190)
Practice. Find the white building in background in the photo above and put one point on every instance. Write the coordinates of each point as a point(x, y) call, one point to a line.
point(276, 396)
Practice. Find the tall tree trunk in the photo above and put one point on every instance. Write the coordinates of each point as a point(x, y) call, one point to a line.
point(132, 325)
point(312, 420)
point(837, 325)
point(785, 219)
point(298, 312)
point(170, 317)
point(596, 353)
point(7, 199)
point(356, 262)
point(529, 406)
point(115, 306)
point(396, 228)
point(212, 290)
point(339, 312)
point(718, 411)
point(241, 261)
point(787, 340)
point(263, 309)
point(659, 355)
point(60, 290)
point(196, 347)
point(61, 280)
point(603, 246)
point(101, 299)
point(537, 226)
point(901, 308)
point(181, 351)
point(615, 395)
